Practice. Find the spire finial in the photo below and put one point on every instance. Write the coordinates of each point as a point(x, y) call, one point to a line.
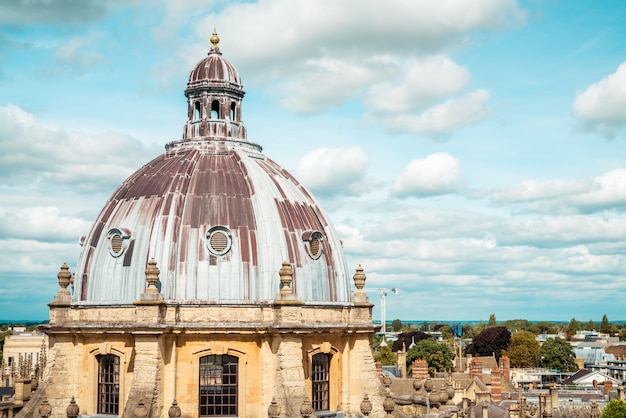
point(215, 40)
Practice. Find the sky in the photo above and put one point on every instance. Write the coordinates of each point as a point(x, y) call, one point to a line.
point(470, 154)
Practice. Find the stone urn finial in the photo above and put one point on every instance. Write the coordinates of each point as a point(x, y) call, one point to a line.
point(72, 410)
point(366, 406)
point(152, 276)
point(64, 277)
point(141, 411)
point(151, 293)
point(273, 411)
point(63, 297)
point(286, 278)
point(174, 411)
point(389, 405)
point(306, 410)
point(359, 280)
point(45, 409)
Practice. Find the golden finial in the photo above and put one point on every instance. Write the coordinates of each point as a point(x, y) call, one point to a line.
point(215, 40)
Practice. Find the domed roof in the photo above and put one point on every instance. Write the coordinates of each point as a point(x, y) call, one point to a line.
point(213, 69)
point(219, 218)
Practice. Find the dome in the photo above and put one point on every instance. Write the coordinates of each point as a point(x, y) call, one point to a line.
point(217, 215)
point(213, 69)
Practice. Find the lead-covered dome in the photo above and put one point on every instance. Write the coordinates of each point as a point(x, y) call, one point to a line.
point(216, 214)
point(213, 69)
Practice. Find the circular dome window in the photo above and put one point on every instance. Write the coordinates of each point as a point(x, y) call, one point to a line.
point(219, 240)
point(313, 240)
point(118, 239)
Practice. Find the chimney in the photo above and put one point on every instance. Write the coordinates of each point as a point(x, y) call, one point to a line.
point(505, 367)
point(485, 410)
point(420, 369)
point(401, 354)
point(496, 386)
point(476, 369)
point(608, 386)
point(379, 369)
point(554, 396)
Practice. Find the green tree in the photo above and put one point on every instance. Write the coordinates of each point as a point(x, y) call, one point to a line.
point(616, 408)
point(489, 342)
point(405, 340)
point(438, 356)
point(606, 327)
point(545, 327)
point(523, 350)
point(492, 321)
point(385, 356)
point(571, 329)
point(557, 354)
point(396, 325)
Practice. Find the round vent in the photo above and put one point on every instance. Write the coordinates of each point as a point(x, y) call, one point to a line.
point(118, 239)
point(219, 240)
point(313, 241)
point(116, 243)
point(315, 247)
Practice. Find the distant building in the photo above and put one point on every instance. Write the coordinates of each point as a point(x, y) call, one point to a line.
point(21, 355)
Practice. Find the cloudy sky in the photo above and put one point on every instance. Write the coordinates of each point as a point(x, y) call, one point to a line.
point(470, 154)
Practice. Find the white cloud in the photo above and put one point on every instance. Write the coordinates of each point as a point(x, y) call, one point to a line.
point(78, 53)
point(434, 175)
point(532, 190)
point(345, 40)
point(601, 107)
point(334, 171)
point(38, 155)
point(41, 223)
point(424, 82)
point(326, 82)
point(608, 191)
point(441, 120)
point(604, 192)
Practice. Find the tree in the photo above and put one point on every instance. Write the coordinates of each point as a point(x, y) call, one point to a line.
point(616, 408)
point(557, 354)
point(489, 342)
point(385, 356)
point(444, 329)
point(408, 338)
point(396, 325)
point(523, 350)
point(492, 321)
point(571, 329)
point(606, 327)
point(545, 327)
point(438, 356)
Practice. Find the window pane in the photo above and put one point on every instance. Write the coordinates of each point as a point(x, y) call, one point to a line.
point(218, 386)
point(108, 384)
point(320, 381)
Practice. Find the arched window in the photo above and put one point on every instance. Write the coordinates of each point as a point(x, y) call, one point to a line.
point(218, 385)
point(215, 110)
point(320, 379)
point(108, 384)
point(233, 107)
point(197, 112)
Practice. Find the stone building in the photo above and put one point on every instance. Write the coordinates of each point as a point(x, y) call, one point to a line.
point(21, 355)
point(212, 282)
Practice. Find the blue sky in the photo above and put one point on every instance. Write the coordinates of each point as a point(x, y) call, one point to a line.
point(470, 154)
